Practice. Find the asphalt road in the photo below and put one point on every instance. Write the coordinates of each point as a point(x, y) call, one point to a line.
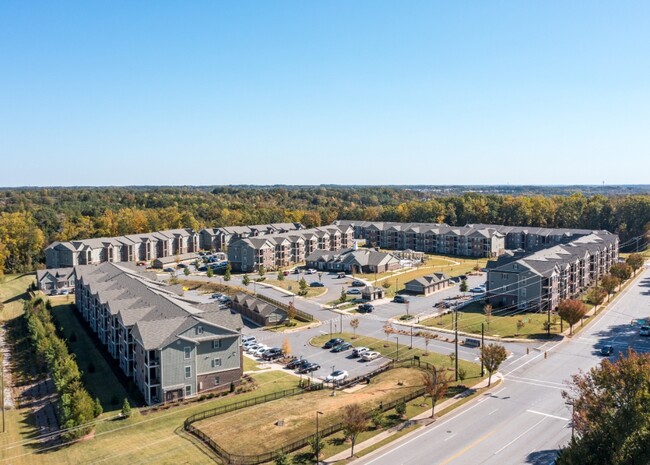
point(525, 419)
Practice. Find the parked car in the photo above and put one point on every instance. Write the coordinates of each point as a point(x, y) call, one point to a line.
point(370, 355)
point(340, 275)
point(332, 342)
point(357, 283)
point(260, 350)
point(296, 271)
point(202, 268)
point(285, 273)
point(342, 347)
point(400, 299)
point(303, 363)
point(181, 265)
point(64, 292)
point(169, 270)
point(295, 363)
point(354, 291)
point(309, 368)
point(477, 290)
point(272, 354)
point(247, 339)
point(644, 331)
point(216, 296)
point(365, 308)
point(316, 284)
point(607, 350)
point(336, 376)
point(311, 271)
point(359, 351)
point(252, 347)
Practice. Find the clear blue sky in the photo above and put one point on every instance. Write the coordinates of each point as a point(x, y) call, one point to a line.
point(311, 92)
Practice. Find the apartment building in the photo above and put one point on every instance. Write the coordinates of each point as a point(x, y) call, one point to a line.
point(144, 247)
point(281, 250)
point(465, 241)
point(539, 280)
point(170, 346)
point(219, 239)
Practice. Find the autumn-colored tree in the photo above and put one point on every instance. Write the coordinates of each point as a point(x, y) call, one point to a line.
point(492, 356)
point(635, 261)
point(520, 325)
point(286, 346)
point(355, 422)
point(435, 385)
point(609, 283)
point(622, 271)
point(291, 311)
point(571, 311)
point(354, 322)
point(610, 413)
point(596, 296)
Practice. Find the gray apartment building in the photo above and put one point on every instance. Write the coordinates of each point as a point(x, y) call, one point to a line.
point(219, 239)
point(353, 261)
point(540, 279)
point(170, 346)
point(275, 251)
point(132, 248)
point(464, 241)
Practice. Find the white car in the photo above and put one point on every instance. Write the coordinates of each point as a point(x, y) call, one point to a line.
point(249, 344)
point(311, 271)
point(335, 376)
point(252, 347)
point(359, 351)
point(370, 355)
point(260, 350)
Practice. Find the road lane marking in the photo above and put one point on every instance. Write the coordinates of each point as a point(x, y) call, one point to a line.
point(521, 435)
point(548, 415)
point(496, 409)
point(543, 381)
point(449, 437)
point(537, 384)
point(468, 448)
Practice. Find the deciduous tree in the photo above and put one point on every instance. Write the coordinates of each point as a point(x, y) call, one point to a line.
point(435, 384)
point(354, 322)
point(622, 271)
point(571, 311)
point(487, 309)
point(609, 283)
point(492, 356)
point(355, 422)
point(635, 261)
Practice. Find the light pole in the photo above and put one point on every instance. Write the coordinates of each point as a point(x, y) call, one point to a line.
point(397, 353)
point(411, 345)
point(482, 345)
point(407, 307)
point(317, 437)
point(456, 344)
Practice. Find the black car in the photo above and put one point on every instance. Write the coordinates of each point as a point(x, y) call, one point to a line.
point(357, 283)
point(295, 363)
point(365, 308)
point(308, 368)
point(316, 284)
point(607, 350)
point(303, 363)
point(341, 347)
point(272, 353)
point(400, 299)
point(333, 342)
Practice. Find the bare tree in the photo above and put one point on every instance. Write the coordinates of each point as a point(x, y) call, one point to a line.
point(487, 309)
point(435, 385)
point(427, 339)
point(388, 330)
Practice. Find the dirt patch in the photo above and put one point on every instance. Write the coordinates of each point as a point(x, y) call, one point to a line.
point(240, 432)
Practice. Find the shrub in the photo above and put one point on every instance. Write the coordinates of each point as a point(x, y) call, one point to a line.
point(126, 408)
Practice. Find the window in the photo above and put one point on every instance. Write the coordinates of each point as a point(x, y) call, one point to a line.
point(188, 372)
point(216, 344)
point(187, 352)
point(216, 381)
point(523, 292)
point(199, 330)
point(216, 362)
point(188, 390)
point(504, 276)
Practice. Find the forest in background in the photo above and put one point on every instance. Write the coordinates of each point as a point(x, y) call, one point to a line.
point(32, 218)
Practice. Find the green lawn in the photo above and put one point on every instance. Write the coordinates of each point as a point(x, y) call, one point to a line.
point(501, 324)
point(389, 348)
point(13, 290)
point(100, 382)
point(290, 284)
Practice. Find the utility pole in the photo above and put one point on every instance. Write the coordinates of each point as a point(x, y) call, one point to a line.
point(330, 329)
point(411, 346)
point(482, 345)
point(397, 354)
point(317, 438)
point(456, 344)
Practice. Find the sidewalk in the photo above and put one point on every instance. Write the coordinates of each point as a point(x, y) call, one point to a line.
point(423, 418)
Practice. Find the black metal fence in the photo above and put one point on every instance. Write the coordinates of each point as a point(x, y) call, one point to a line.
point(300, 443)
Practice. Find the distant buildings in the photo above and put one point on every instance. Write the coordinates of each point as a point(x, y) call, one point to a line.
point(464, 241)
point(275, 251)
point(170, 346)
point(258, 311)
point(428, 284)
point(52, 282)
point(219, 239)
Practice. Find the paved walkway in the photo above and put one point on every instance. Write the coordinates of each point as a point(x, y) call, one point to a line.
point(423, 418)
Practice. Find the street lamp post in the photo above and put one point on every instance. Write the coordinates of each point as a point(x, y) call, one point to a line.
point(482, 345)
point(317, 438)
point(397, 353)
point(411, 345)
point(456, 344)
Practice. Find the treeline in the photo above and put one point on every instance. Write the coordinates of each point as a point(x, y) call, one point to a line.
point(32, 218)
point(75, 406)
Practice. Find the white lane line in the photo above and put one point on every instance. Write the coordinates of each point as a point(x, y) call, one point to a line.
point(541, 354)
point(492, 412)
point(559, 388)
point(541, 381)
point(449, 437)
point(522, 434)
point(548, 415)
